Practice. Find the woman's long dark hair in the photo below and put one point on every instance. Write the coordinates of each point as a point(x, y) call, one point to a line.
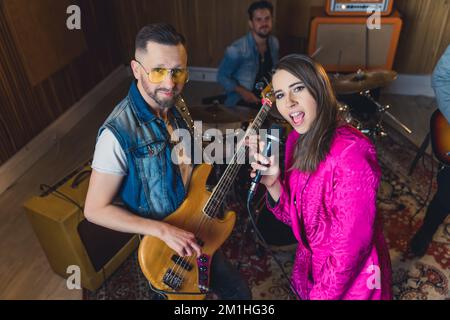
point(313, 146)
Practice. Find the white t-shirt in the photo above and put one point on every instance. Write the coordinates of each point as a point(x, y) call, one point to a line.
point(110, 158)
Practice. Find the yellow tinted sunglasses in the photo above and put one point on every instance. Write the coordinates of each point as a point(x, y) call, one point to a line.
point(157, 75)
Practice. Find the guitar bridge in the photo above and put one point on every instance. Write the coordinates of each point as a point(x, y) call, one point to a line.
point(172, 280)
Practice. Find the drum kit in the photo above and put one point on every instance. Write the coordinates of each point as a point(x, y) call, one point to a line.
point(357, 94)
point(231, 122)
point(223, 122)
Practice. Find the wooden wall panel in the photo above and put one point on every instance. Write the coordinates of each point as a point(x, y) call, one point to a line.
point(33, 25)
point(292, 24)
point(425, 34)
point(208, 25)
point(25, 110)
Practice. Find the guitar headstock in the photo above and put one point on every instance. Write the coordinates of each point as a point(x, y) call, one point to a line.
point(267, 94)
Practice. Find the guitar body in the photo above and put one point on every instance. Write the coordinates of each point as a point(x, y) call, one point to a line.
point(440, 137)
point(157, 260)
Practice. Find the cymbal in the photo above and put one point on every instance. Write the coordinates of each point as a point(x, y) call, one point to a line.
point(222, 114)
point(362, 81)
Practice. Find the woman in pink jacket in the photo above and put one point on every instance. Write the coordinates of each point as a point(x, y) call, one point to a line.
point(328, 193)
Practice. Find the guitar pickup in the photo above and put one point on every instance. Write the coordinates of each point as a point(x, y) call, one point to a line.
point(181, 262)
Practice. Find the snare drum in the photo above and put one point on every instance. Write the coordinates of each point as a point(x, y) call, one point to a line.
point(358, 111)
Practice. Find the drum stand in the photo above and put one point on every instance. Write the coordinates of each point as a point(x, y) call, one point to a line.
point(383, 111)
point(377, 130)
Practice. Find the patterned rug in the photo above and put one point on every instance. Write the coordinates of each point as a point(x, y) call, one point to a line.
point(399, 199)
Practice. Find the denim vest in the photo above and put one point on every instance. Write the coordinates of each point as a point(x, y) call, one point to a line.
point(153, 187)
point(240, 65)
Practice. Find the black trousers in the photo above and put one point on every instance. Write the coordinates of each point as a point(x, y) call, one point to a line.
point(226, 281)
point(439, 206)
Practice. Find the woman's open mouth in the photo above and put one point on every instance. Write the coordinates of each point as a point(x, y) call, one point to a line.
point(297, 117)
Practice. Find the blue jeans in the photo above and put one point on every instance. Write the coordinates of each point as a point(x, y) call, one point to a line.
point(439, 206)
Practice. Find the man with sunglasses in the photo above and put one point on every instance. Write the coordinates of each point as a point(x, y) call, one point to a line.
point(133, 156)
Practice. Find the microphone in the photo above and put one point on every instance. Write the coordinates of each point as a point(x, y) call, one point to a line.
point(266, 153)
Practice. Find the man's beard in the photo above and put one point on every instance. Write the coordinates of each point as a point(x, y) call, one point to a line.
point(263, 35)
point(161, 104)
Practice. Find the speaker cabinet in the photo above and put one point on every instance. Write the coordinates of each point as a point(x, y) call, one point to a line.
point(67, 238)
point(346, 44)
point(358, 7)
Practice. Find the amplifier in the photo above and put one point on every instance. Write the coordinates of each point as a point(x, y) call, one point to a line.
point(358, 7)
point(68, 239)
point(346, 44)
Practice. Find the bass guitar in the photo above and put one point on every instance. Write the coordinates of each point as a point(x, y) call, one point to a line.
point(188, 277)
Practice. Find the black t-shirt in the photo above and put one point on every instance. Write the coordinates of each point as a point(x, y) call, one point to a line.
point(264, 70)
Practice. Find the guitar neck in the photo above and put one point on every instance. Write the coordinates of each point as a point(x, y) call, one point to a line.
point(223, 186)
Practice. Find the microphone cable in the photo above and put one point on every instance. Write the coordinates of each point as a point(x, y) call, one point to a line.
point(266, 247)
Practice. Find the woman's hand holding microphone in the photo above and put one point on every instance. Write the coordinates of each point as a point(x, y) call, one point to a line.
point(268, 166)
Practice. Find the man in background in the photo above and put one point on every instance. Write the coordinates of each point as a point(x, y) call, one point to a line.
point(250, 59)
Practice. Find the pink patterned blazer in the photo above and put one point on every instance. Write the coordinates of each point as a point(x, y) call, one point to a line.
point(341, 251)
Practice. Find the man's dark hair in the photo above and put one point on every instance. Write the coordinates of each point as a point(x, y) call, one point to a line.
point(259, 5)
point(162, 33)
